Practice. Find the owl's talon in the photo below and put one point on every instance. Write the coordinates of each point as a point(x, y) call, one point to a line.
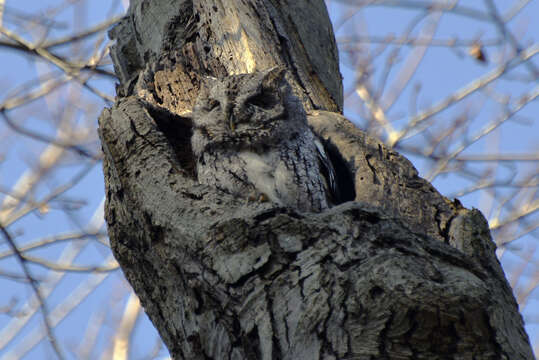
point(261, 198)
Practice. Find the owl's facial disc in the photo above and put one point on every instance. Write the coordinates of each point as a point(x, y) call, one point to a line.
point(257, 115)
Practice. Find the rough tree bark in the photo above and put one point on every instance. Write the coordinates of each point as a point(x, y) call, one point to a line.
point(399, 273)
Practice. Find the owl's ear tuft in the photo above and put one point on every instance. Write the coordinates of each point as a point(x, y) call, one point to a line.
point(272, 77)
point(206, 82)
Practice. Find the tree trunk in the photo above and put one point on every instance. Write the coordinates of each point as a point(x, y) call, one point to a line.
point(399, 273)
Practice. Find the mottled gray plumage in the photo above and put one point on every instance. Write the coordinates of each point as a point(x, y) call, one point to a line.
point(251, 139)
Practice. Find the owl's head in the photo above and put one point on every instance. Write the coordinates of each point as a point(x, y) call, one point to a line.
point(245, 110)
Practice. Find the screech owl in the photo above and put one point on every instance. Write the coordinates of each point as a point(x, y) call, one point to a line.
point(251, 139)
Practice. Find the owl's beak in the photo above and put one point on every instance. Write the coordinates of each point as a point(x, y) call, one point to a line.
point(231, 122)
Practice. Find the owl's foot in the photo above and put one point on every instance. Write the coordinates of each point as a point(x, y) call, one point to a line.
point(260, 197)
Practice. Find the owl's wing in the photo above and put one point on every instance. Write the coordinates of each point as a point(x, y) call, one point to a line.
point(328, 172)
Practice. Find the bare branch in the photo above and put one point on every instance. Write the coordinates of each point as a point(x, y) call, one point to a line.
point(35, 288)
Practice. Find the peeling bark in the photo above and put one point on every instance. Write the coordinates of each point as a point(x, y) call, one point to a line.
point(399, 273)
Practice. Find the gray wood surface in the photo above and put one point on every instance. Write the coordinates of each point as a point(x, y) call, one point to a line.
point(399, 273)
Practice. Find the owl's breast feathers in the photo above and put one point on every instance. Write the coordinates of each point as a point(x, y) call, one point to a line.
point(251, 133)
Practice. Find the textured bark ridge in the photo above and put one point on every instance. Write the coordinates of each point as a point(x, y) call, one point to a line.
point(399, 273)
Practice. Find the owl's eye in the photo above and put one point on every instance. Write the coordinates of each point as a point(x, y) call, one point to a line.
point(212, 104)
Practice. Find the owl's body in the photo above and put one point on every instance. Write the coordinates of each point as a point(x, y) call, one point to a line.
point(251, 139)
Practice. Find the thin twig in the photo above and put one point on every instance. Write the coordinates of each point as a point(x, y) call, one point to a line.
point(502, 28)
point(464, 92)
point(508, 114)
point(423, 5)
point(35, 288)
point(36, 136)
point(82, 35)
point(409, 41)
point(69, 268)
point(46, 241)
